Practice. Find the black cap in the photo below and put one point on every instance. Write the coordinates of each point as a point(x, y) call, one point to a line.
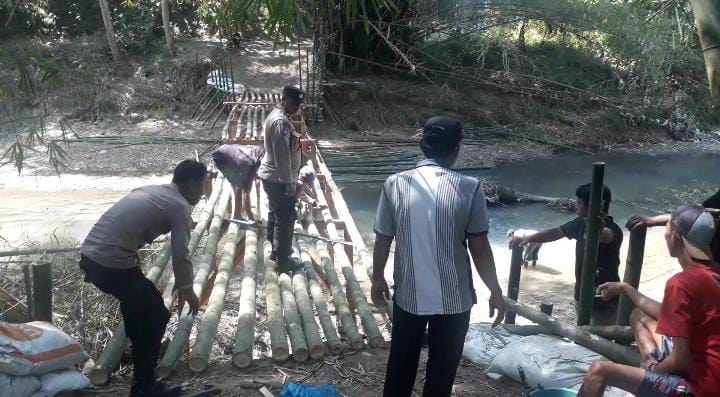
point(442, 129)
point(293, 92)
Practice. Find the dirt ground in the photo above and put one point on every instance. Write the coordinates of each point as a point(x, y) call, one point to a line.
point(357, 374)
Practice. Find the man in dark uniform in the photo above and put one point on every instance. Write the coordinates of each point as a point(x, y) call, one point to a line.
point(109, 260)
point(279, 172)
point(239, 164)
point(608, 260)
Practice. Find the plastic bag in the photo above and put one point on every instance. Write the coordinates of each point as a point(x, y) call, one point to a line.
point(483, 343)
point(37, 348)
point(55, 382)
point(18, 386)
point(547, 361)
point(295, 390)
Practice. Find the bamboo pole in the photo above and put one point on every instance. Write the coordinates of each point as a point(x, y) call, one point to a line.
point(307, 316)
point(200, 353)
point(110, 356)
point(245, 335)
point(514, 280)
point(344, 260)
point(612, 351)
point(343, 212)
point(342, 308)
point(587, 282)
point(316, 291)
point(169, 361)
point(40, 251)
point(620, 334)
point(42, 291)
point(292, 319)
point(633, 269)
point(278, 333)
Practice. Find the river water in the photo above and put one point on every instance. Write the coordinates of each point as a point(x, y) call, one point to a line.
point(639, 183)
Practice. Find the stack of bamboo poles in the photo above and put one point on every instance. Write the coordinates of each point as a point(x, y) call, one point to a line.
point(305, 310)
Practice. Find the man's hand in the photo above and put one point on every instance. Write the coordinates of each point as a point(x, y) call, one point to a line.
point(380, 292)
point(188, 295)
point(647, 363)
point(497, 303)
point(517, 242)
point(610, 290)
point(637, 222)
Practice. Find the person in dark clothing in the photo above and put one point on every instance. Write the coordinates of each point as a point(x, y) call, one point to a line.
point(608, 251)
point(109, 261)
point(239, 164)
point(279, 171)
point(711, 204)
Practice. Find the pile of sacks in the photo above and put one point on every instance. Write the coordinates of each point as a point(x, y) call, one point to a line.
point(37, 360)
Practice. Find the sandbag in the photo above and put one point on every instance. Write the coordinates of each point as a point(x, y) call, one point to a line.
point(547, 361)
point(18, 386)
point(37, 348)
point(483, 343)
point(55, 382)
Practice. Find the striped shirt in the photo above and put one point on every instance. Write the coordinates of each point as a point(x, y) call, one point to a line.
point(431, 211)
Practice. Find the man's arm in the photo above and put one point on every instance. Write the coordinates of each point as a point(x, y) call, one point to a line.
point(543, 236)
point(246, 200)
point(679, 357)
point(612, 289)
point(380, 292)
point(639, 222)
point(482, 256)
point(182, 265)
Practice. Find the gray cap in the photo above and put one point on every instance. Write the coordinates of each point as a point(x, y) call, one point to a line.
point(697, 229)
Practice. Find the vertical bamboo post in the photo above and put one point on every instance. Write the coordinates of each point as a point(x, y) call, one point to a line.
point(587, 282)
point(42, 291)
point(546, 308)
point(633, 268)
point(514, 280)
point(28, 287)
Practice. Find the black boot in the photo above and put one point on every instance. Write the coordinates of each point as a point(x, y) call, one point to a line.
point(288, 265)
point(155, 389)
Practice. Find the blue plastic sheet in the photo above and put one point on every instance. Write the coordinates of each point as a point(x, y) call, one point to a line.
point(295, 390)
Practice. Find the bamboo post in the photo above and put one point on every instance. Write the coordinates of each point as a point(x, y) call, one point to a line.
point(342, 307)
point(307, 316)
point(292, 319)
point(185, 322)
point(42, 291)
point(276, 325)
point(546, 308)
point(343, 212)
point(633, 268)
point(587, 282)
point(614, 352)
point(207, 329)
point(514, 280)
point(371, 328)
point(28, 287)
point(318, 297)
point(245, 335)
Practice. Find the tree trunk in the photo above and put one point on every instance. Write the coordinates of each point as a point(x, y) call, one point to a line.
point(165, 10)
point(109, 30)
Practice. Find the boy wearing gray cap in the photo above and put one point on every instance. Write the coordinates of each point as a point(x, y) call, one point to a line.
point(679, 339)
point(278, 171)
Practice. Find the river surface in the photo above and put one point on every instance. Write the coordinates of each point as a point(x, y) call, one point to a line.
point(639, 184)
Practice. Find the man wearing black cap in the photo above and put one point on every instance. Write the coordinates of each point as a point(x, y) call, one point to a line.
point(279, 172)
point(678, 339)
point(435, 215)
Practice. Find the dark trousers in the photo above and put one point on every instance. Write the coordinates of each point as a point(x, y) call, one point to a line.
point(144, 313)
point(446, 337)
point(281, 218)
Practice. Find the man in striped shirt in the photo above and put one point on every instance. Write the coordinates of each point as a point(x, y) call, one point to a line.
point(435, 215)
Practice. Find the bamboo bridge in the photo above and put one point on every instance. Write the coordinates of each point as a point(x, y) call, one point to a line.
point(322, 310)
